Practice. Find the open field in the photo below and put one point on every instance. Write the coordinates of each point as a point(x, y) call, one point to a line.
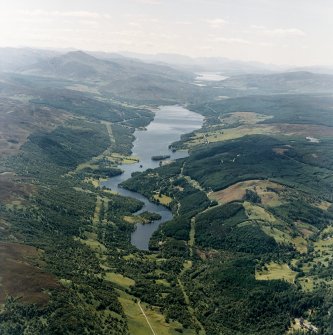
point(237, 192)
point(305, 327)
point(163, 199)
point(277, 271)
point(119, 279)
point(320, 262)
point(282, 235)
point(243, 118)
point(131, 219)
point(162, 282)
point(304, 130)
point(122, 159)
point(83, 88)
point(137, 323)
point(229, 134)
point(94, 245)
point(247, 124)
point(255, 212)
point(99, 204)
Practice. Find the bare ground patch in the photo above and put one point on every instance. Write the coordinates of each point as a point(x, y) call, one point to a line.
point(20, 277)
point(304, 130)
point(20, 117)
point(263, 188)
point(13, 188)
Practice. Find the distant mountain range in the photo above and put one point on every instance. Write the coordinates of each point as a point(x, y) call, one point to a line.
point(78, 65)
point(163, 77)
point(116, 76)
point(12, 59)
point(287, 82)
point(201, 64)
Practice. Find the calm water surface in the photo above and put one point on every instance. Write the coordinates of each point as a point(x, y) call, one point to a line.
point(203, 78)
point(209, 76)
point(169, 124)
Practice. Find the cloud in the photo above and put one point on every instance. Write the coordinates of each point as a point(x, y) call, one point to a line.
point(149, 2)
point(184, 23)
point(134, 24)
point(235, 40)
point(254, 26)
point(216, 23)
point(279, 31)
point(75, 14)
point(232, 40)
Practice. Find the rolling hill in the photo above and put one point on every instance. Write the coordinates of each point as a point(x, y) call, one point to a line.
point(286, 82)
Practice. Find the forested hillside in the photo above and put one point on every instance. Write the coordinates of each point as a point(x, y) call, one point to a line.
point(249, 247)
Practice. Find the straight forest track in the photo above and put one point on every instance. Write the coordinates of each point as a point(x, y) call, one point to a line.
point(191, 240)
point(190, 308)
point(144, 314)
point(109, 129)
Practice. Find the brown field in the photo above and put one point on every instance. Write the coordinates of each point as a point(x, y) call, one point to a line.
point(11, 188)
point(206, 254)
point(280, 151)
point(4, 229)
point(163, 199)
point(19, 118)
point(304, 130)
point(20, 278)
point(237, 192)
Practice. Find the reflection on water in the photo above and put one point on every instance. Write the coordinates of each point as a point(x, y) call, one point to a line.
point(169, 124)
point(209, 76)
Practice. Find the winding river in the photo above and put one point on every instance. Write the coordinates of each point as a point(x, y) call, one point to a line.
point(169, 124)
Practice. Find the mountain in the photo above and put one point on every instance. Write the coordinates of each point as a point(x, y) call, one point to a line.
point(78, 65)
point(314, 69)
point(75, 65)
point(139, 80)
point(286, 82)
point(118, 76)
point(217, 64)
point(249, 247)
point(13, 58)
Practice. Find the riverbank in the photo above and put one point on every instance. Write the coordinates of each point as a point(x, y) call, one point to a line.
point(169, 124)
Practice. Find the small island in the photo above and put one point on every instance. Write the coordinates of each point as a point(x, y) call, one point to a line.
point(160, 157)
point(149, 217)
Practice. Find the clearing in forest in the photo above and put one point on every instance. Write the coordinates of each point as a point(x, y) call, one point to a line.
point(274, 271)
point(267, 191)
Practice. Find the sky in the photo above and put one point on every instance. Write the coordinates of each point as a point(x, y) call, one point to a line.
point(288, 32)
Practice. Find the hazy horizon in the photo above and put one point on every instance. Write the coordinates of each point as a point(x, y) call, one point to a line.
point(293, 33)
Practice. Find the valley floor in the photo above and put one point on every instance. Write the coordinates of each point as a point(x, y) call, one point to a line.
point(249, 249)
